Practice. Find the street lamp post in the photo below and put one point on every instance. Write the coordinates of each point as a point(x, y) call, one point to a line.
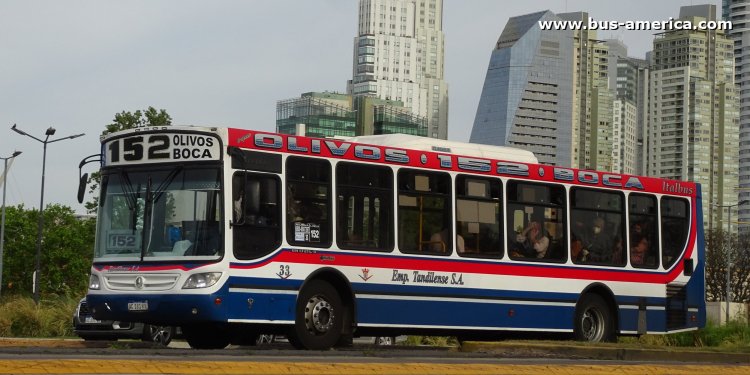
point(2, 221)
point(729, 254)
point(50, 132)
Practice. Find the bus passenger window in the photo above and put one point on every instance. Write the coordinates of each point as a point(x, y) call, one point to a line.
point(597, 232)
point(478, 217)
point(643, 231)
point(257, 212)
point(424, 212)
point(675, 222)
point(308, 187)
point(536, 229)
point(363, 207)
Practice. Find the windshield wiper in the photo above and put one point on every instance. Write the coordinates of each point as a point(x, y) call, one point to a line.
point(146, 215)
point(164, 184)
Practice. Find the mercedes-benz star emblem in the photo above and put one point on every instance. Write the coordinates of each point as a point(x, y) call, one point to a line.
point(139, 282)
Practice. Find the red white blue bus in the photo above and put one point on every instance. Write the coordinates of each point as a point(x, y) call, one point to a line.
point(230, 233)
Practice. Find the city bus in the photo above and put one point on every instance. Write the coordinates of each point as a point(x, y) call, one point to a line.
point(230, 233)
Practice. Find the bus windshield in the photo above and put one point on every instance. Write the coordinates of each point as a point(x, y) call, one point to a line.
point(159, 214)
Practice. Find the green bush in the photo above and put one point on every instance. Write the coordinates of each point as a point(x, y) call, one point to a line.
point(20, 317)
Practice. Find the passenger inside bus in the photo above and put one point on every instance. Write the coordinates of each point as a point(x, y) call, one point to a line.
point(238, 214)
point(639, 250)
point(642, 236)
point(532, 242)
point(440, 241)
point(596, 242)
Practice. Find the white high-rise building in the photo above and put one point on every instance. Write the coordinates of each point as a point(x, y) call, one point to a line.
point(624, 137)
point(399, 55)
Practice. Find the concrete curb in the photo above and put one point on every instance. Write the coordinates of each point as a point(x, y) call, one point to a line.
point(517, 349)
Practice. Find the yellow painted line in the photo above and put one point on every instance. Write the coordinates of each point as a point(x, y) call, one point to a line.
point(90, 366)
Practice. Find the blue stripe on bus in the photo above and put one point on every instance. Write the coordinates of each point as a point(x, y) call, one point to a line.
point(442, 313)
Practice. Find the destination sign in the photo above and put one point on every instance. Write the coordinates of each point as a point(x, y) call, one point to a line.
point(160, 148)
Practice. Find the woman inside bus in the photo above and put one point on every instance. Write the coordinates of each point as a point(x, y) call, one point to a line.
point(639, 250)
point(532, 242)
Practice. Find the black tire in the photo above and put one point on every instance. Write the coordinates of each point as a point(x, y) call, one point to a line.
point(345, 341)
point(594, 321)
point(318, 317)
point(160, 335)
point(206, 336)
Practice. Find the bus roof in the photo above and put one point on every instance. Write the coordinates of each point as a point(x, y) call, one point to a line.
point(415, 142)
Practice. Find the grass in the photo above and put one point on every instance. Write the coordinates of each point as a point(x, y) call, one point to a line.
point(735, 335)
point(21, 317)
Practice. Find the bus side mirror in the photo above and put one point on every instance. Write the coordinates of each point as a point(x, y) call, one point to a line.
point(82, 187)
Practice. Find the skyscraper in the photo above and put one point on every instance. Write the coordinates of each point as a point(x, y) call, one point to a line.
point(399, 54)
point(628, 80)
point(547, 91)
point(592, 108)
point(738, 11)
point(527, 96)
point(695, 112)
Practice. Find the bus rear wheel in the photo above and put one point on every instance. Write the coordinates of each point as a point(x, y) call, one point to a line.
point(318, 317)
point(594, 321)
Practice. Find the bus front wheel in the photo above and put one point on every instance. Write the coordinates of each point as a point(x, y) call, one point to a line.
point(318, 317)
point(594, 321)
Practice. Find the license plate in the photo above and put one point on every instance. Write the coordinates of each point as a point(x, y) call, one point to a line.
point(138, 306)
point(89, 319)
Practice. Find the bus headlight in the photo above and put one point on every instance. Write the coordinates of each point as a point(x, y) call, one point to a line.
point(202, 280)
point(94, 282)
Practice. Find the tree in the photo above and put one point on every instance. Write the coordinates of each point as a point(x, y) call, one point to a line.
point(66, 251)
point(123, 121)
point(719, 245)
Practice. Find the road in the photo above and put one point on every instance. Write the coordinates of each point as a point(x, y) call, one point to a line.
point(76, 357)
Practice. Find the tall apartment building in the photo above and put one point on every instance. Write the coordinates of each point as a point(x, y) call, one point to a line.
point(592, 107)
point(738, 11)
point(399, 55)
point(624, 137)
point(695, 112)
point(628, 80)
point(527, 98)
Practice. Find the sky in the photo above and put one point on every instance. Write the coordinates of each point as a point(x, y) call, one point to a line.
point(73, 65)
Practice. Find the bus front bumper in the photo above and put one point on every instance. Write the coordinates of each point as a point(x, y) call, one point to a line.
point(158, 309)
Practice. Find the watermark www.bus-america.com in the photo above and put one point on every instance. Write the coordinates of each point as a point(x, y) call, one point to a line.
point(670, 24)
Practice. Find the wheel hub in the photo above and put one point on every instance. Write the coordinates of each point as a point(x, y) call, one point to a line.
point(319, 315)
point(592, 325)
